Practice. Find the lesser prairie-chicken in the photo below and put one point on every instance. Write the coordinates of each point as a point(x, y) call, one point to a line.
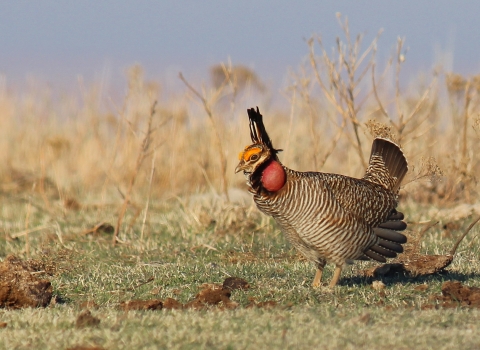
point(329, 217)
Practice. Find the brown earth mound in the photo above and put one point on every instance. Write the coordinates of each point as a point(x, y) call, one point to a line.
point(19, 286)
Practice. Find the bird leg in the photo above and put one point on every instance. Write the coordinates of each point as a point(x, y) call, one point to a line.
point(336, 276)
point(318, 278)
point(318, 275)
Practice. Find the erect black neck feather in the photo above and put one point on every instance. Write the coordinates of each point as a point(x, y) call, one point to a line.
point(258, 133)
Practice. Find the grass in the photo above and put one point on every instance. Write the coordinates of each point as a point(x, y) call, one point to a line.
point(176, 258)
point(298, 327)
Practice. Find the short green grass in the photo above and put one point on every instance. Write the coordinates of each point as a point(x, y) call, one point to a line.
point(185, 246)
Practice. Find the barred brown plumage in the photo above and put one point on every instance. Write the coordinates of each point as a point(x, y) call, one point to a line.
point(329, 217)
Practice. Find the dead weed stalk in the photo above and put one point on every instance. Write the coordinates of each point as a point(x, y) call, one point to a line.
point(345, 72)
point(143, 152)
point(208, 104)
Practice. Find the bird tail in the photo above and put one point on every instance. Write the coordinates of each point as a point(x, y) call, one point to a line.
point(390, 241)
point(387, 165)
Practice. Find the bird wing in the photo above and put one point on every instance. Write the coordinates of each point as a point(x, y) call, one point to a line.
point(365, 200)
point(369, 206)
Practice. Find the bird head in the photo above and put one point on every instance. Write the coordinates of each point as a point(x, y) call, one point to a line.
point(252, 157)
point(261, 151)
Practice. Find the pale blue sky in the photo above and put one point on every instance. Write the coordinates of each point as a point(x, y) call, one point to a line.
point(55, 41)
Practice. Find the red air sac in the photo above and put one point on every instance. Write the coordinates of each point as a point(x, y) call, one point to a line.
point(273, 177)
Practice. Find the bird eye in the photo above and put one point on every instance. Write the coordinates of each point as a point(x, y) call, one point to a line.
point(254, 157)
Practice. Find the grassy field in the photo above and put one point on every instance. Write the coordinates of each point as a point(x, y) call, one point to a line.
point(137, 200)
point(174, 261)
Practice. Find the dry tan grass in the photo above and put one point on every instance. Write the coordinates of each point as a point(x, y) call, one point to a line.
point(71, 148)
point(74, 151)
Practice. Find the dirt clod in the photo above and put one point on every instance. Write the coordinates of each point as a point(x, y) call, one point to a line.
point(233, 283)
point(71, 203)
point(86, 319)
point(212, 294)
point(19, 286)
point(3, 325)
point(89, 304)
point(269, 304)
point(153, 304)
point(427, 264)
point(455, 294)
point(172, 304)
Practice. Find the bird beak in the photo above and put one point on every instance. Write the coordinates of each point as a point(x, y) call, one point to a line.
point(240, 166)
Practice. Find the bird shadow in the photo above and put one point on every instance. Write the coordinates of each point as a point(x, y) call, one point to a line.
point(404, 278)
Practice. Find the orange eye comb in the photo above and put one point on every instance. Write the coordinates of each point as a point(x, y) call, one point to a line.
point(245, 155)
